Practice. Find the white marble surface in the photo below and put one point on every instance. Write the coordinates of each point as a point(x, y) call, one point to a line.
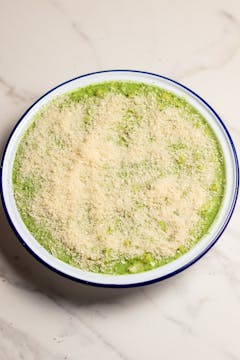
point(195, 315)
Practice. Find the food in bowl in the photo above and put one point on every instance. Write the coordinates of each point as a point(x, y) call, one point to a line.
point(118, 177)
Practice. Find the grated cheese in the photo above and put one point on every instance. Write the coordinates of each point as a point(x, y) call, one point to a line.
point(117, 177)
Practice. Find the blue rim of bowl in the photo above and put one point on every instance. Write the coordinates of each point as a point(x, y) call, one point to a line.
point(175, 272)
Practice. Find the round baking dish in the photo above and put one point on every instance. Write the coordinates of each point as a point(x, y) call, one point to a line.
point(165, 271)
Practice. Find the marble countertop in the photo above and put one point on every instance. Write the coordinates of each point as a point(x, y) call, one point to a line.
point(196, 314)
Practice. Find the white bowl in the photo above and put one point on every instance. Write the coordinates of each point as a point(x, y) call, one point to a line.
point(170, 269)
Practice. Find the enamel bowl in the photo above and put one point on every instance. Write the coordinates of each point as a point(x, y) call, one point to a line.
point(186, 260)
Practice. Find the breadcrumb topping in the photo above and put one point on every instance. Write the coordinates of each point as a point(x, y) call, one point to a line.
point(107, 176)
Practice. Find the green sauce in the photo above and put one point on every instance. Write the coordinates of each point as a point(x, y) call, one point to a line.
point(27, 187)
